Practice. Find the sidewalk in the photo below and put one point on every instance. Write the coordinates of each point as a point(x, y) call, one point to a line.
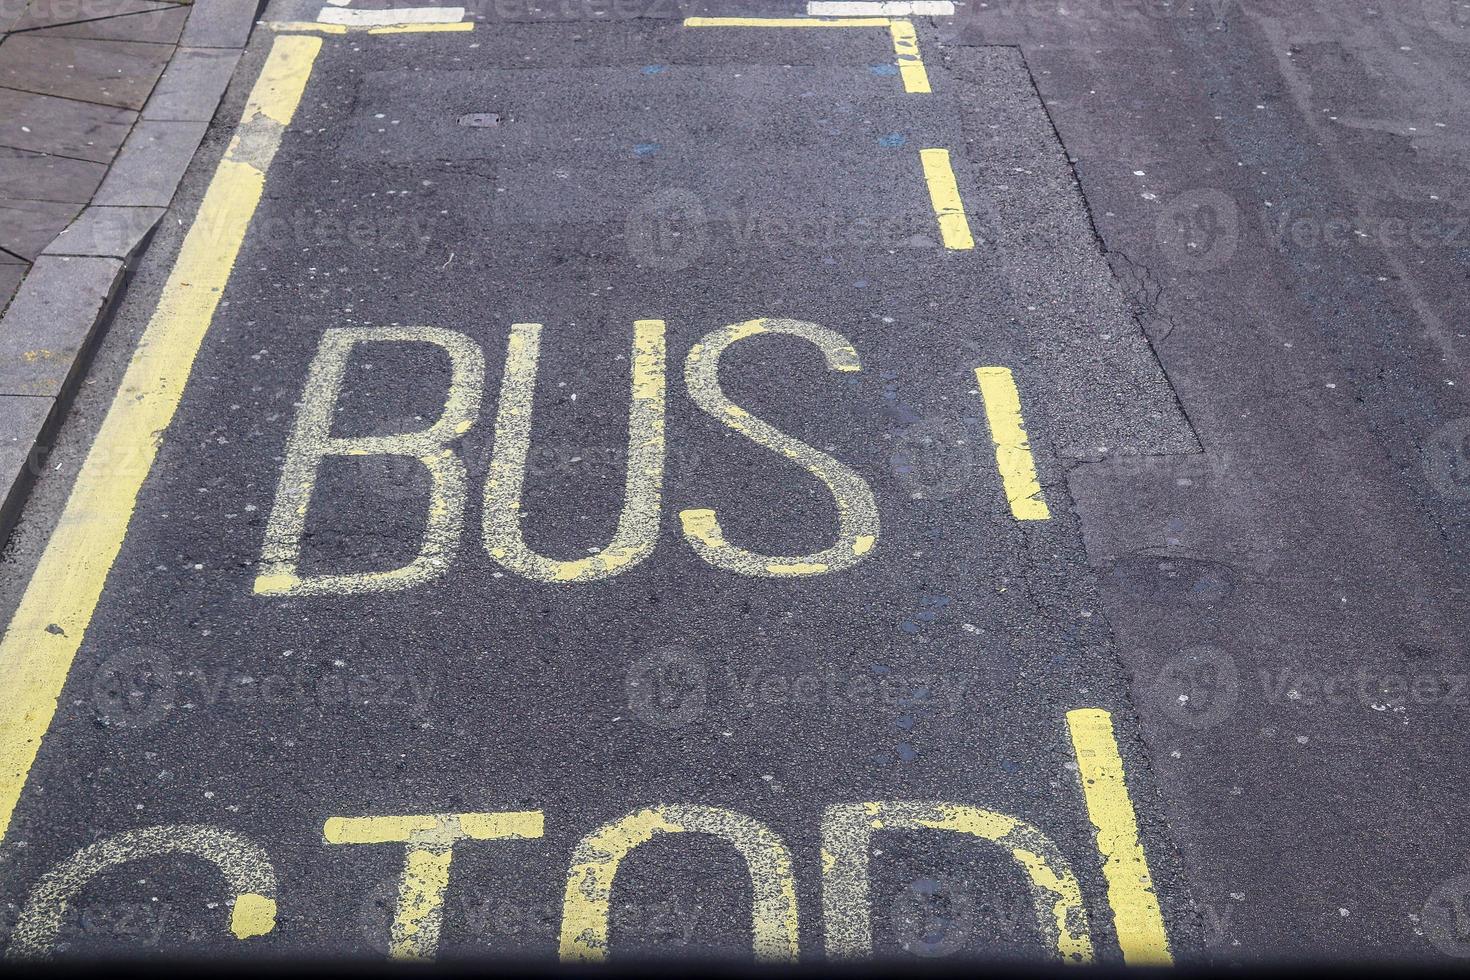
point(102, 106)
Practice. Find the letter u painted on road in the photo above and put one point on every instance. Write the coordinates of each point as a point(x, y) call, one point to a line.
point(637, 531)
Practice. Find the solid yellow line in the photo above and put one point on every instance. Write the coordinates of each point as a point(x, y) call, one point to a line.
point(1136, 915)
point(944, 194)
point(1012, 451)
point(910, 62)
point(42, 639)
point(786, 22)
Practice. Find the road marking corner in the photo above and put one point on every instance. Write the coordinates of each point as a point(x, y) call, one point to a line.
point(906, 55)
point(905, 42)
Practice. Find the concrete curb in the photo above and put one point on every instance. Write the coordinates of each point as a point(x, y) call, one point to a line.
point(52, 324)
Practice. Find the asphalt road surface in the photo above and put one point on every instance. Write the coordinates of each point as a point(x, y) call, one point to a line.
point(700, 480)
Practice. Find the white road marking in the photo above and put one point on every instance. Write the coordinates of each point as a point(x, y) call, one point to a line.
point(393, 15)
point(880, 8)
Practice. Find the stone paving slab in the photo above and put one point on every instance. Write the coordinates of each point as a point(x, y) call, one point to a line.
point(21, 419)
point(220, 23)
point(11, 273)
point(114, 73)
point(37, 15)
point(106, 231)
point(192, 85)
point(48, 124)
point(11, 11)
point(50, 322)
point(163, 25)
point(26, 174)
point(152, 162)
point(26, 227)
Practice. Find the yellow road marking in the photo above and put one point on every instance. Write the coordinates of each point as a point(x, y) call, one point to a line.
point(586, 906)
point(1012, 451)
point(430, 840)
point(847, 843)
point(637, 531)
point(311, 442)
point(905, 41)
point(253, 915)
point(435, 829)
point(857, 508)
point(944, 194)
point(245, 867)
point(43, 636)
point(1136, 915)
point(910, 62)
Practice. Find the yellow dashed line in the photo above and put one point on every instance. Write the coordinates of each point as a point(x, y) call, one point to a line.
point(1136, 915)
point(944, 194)
point(1012, 451)
point(910, 63)
point(42, 638)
